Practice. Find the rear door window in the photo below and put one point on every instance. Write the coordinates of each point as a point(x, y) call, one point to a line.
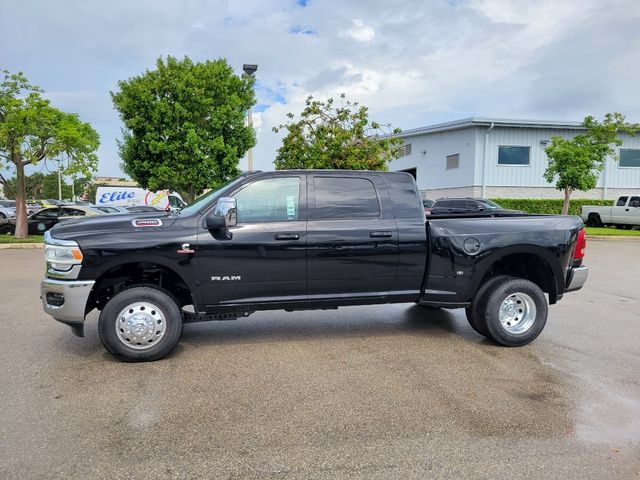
point(344, 197)
point(72, 212)
point(47, 213)
point(622, 201)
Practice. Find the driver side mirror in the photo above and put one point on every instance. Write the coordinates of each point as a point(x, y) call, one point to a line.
point(224, 215)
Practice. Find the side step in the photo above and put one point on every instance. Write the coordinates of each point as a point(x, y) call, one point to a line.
point(192, 317)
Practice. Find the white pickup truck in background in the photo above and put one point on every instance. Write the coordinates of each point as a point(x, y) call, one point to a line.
point(624, 214)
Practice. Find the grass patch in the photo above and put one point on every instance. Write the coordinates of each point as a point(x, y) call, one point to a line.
point(612, 232)
point(29, 239)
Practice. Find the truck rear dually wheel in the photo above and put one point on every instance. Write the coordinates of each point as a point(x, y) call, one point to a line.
point(140, 324)
point(475, 319)
point(514, 311)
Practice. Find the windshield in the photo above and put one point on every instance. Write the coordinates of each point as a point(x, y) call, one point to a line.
point(202, 200)
point(489, 204)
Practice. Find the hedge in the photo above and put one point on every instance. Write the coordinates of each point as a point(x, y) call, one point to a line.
point(536, 205)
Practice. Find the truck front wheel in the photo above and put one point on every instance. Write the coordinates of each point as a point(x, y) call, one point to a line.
point(140, 324)
point(514, 312)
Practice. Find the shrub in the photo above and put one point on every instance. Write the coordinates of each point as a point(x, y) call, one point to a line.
point(548, 206)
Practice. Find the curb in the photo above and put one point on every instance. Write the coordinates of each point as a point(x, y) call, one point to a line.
point(21, 246)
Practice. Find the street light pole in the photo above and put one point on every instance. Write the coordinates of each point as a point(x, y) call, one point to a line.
point(250, 152)
point(249, 71)
point(59, 160)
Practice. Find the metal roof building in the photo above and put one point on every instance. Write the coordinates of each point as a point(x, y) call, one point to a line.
point(496, 157)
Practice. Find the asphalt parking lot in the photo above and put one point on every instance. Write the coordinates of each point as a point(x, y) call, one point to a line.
point(384, 392)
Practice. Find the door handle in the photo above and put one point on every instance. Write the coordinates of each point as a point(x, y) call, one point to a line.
point(381, 234)
point(286, 236)
point(626, 209)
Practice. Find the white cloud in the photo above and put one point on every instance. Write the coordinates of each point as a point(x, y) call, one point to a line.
point(359, 31)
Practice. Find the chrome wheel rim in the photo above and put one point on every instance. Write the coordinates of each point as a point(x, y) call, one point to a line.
point(140, 325)
point(517, 313)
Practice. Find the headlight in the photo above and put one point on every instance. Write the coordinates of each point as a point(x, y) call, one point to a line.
point(62, 254)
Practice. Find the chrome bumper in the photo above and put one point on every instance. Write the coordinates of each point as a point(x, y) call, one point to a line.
point(66, 300)
point(577, 277)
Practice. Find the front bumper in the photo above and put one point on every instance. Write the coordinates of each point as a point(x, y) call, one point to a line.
point(576, 279)
point(66, 300)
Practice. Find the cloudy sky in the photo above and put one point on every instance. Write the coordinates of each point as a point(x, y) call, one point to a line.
point(413, 62)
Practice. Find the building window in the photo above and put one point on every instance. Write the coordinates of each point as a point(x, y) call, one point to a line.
point(405, 150)
point(629, 157)
point(513, 155)
point(453, 161)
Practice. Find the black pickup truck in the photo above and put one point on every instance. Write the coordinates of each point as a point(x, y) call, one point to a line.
point(297, 240)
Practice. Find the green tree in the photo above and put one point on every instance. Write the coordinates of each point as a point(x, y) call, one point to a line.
point(34, 186)
point(90, 190)
point(576, 164)
point(40, 186)
point(327, 135)
point(184, 125)
point(32, 130)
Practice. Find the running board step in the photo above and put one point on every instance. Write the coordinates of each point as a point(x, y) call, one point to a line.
point(191, 317)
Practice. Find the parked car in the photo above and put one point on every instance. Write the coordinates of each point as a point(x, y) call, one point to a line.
point(7, 209)
point(467, 205)
point(141, 208)
point(624, 214)
point(34, 206)
point(43, 220)
point(111, 209)
point(266, 241)
point(129, 209)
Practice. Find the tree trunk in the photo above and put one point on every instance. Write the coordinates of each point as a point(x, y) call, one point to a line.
point(565, 204)
point(21, 204)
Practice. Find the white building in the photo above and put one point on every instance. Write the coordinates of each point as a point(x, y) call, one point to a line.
point(491, 157)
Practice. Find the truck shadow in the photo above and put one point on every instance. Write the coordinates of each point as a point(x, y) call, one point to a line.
point(314, 325)
point(385, 320)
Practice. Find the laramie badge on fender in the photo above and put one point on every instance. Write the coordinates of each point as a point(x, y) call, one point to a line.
point(147, 222)
point(225, 278)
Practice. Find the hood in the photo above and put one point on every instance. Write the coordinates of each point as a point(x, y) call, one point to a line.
point(72, 229)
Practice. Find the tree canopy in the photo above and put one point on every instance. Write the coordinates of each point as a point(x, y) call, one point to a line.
point(32, 130)
point(336, 135)
point(184, 124)
point(40, 186)
point(575, 164)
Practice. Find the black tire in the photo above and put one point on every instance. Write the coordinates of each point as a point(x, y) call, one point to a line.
point(593, 220)
point(510, 289)
point(7, 230)
point(167, 312)
point(475, 320)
